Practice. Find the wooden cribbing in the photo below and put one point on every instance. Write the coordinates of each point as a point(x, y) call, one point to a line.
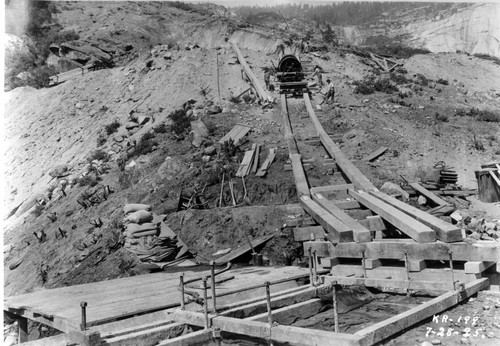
point(428, 194)
point(483, 251)
point(436, 287)
point(445, 231)
point(360, 233)
point(332, 188)
point(306, 233)
point(255, 82)
point(385, 329)
point(408, 225)
point(351, 171)
point(337, 230)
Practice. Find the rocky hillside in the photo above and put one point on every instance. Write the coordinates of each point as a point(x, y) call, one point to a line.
point(118, 130)
point(469, 28)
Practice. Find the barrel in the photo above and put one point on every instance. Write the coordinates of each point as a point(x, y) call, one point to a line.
point(487, 186)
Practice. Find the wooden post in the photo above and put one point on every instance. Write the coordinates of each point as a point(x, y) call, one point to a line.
point(205, 302)
point(181, 284)
point(22, 324)
point(335, 308)
point(83, 325)
point(451, 271)
point(311, 279)
point(268, 303)
point(315, 268)
point(407, 266)
point(214, 310)
point(363, 264)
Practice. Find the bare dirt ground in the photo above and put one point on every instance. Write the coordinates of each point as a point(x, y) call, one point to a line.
point(60, 126)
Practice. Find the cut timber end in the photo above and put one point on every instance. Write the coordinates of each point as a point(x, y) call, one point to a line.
point(360, 233)
point(306, 233)
point(411, 227)
point(338, 231)
point(476, 267)
point(445, 231)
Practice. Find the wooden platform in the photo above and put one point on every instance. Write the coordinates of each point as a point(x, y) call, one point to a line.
point(114, 299)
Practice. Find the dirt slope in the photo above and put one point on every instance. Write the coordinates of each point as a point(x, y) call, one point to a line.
point(61, 125)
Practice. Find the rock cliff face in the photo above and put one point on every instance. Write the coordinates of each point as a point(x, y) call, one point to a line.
point(474, 30)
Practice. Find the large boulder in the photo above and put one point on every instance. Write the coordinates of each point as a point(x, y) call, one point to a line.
point(169, 169)
point(200, 132)
point(394, 189)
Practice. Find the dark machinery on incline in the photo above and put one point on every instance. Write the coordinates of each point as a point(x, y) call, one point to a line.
point(290, 76)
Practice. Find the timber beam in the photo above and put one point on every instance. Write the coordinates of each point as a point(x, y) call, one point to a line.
point(337, 231)
point(387, 328)
point(482, 251)
point(444, 231)
point(360, 233)
point(408, 225)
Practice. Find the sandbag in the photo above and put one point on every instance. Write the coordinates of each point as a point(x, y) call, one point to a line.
point(146, 233)
point(134, 228)
point(131, 207)
point(140, 216)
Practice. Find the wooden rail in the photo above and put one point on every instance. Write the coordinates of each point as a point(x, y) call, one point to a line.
point(351, 171)
point(255, 82)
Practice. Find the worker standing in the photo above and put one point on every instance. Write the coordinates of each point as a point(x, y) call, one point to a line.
point(267, 77)
point(280, 49)
point(330, 92)
point(317, 74)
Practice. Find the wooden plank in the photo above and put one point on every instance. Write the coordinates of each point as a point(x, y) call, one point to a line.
point(322, 248)
point(331, 188)
point(396, 249)
point(277, 302)
point(411, 227)
point(246, 163)
point(306, 233)
point(146, 336)
point(415, 265)
point(236, 133)
point(371, 263)
point(373, 223)
point(375, 154)
point(385, 329)
point(267, 163)
point(255, 82)
point(199, 337)
point(242, 250)
point(444, 231)
point(455, 192)
point(477, 267)
point(337, 231)
point(256, 159)
point(360, 233)
point(429, 195)
point(495, 178)
point(299, 176)
point(351, 171)
point(262, 330)
point(347, 204)
point(436, 287)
